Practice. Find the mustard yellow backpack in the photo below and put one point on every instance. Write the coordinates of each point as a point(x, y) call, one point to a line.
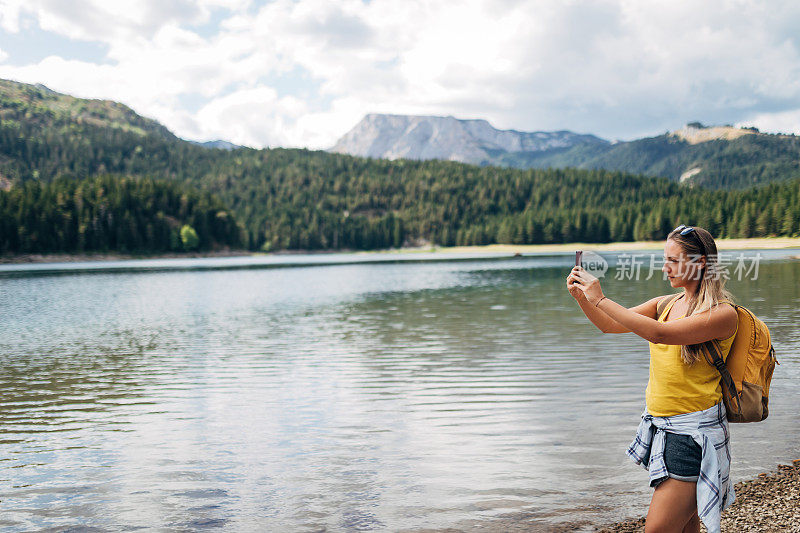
point(747, 370)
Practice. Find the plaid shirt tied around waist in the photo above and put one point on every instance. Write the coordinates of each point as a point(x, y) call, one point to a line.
point(709, 429)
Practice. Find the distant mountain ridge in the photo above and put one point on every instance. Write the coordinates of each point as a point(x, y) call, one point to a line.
point(718, 157)
point(449, 138)
point(217, 144)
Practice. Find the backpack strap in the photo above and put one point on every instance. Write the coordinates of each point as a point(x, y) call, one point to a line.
point(712, 349)
point(663, 303)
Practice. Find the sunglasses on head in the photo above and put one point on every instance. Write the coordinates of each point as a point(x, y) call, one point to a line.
point(685, 230)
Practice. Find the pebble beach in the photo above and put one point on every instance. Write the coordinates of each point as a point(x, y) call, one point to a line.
point(770, 503)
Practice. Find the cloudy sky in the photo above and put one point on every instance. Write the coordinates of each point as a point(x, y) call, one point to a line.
point(303, 72)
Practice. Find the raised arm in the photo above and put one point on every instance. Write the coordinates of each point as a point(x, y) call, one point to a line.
point(717, 323)
point(607, 324)
point(647, 309)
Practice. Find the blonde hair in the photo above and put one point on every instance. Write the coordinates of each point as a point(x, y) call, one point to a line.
point(712, 287)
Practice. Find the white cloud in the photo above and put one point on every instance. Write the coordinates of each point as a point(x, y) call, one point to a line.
point(617, 68)
point(781, 122)
point(247, 117)
point(94, 20)
point(9, 15)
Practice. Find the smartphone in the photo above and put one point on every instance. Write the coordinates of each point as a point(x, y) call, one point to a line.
point(578, 257)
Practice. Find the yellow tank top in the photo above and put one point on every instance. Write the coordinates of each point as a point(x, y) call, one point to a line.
point(675, 387)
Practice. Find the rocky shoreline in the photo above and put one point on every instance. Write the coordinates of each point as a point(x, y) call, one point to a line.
point(770, 503)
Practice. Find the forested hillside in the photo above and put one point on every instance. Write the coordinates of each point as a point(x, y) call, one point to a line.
point(301, 199)
point(719, 164)
point(104, 213)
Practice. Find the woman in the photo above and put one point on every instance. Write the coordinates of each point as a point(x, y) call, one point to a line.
point(683, 436)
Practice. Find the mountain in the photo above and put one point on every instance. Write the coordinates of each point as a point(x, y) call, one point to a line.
point(48, 106)
point(716, 157)
point(448, 138)
point(315, 200)
point(218, 144)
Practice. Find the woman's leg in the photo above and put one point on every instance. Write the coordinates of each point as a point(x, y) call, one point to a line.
point(673, 506)
point(693, 525)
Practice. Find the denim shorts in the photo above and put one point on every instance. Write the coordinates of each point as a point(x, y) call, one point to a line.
point(682, 456)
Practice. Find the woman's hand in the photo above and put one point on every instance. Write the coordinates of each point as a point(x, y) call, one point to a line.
point(586, 283)
point(573, 287)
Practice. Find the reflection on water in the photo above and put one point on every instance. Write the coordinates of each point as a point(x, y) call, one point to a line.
point(382, 396)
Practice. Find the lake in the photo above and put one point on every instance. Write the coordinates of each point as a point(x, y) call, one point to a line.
point(342, 392)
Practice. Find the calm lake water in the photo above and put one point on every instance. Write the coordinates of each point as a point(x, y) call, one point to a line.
point(281, 394)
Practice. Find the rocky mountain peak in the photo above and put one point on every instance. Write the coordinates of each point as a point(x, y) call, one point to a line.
point(449, 138)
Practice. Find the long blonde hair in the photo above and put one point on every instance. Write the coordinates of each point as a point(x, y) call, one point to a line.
point(712, 285)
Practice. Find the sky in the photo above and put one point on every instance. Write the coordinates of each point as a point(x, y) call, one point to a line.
point(301, 73)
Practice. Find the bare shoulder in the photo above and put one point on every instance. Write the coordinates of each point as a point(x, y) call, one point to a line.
point(722, 311)
point(727, 315)
point(726, 309)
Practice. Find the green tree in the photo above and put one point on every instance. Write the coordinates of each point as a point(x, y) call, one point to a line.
point(189, 238)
